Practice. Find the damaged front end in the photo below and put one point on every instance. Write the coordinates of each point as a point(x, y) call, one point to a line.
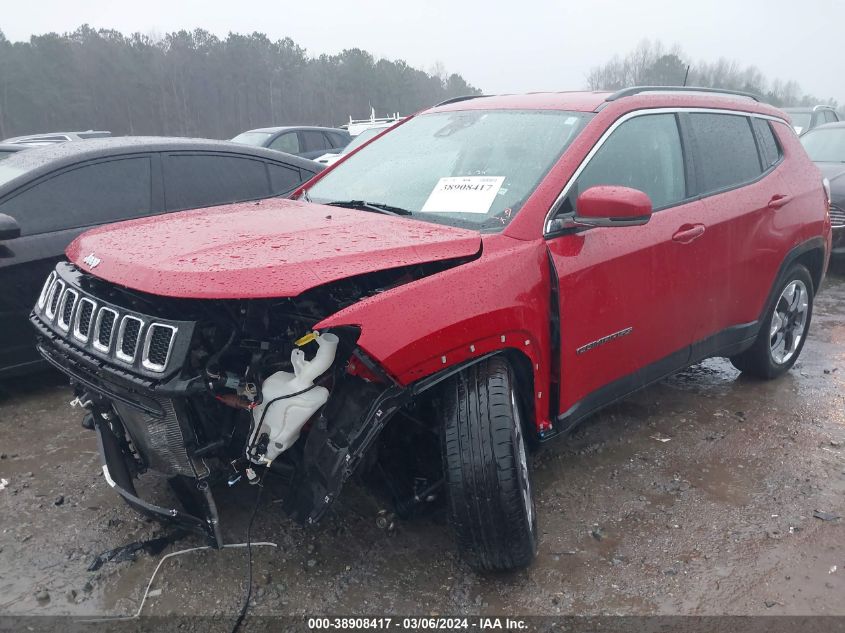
point(216, 392)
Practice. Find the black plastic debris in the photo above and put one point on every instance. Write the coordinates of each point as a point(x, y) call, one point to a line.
point(826, 516)
point(128, 552)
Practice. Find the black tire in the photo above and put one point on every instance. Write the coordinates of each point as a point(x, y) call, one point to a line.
point(486, 468)
point(759, 360)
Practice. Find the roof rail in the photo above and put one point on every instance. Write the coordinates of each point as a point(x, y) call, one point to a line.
point(457, 100)
point(823, 106)
point(635, 90)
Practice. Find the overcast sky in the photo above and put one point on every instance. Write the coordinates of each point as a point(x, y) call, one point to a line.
point(498, 46)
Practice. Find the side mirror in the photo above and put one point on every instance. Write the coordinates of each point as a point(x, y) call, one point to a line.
point(612, 206)
point(9, 229)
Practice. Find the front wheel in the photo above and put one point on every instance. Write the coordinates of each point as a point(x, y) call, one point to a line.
point(784, 329)
point(488, 482)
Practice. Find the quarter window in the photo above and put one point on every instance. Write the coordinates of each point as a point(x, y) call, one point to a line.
point(770, 151)
point(643, 153)
point(726, 153)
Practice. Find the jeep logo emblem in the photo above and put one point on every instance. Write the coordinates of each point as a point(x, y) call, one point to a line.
point(92, 260)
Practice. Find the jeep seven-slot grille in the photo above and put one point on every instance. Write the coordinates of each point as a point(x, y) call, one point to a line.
point(105, 328)
point(837, 216)
point(128, 338)
point(83, 319)
point(160, 338)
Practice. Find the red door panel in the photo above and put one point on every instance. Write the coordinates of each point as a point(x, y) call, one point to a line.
point(637, 286)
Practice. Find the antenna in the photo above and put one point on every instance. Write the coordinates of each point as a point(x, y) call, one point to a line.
point(686, 76)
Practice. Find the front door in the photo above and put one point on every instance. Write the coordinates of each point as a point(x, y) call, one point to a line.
point(627, 297)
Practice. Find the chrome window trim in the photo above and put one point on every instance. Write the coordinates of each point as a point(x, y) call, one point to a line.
point(547, 224)
point(45, 289)
point(145, 353)
point(97, 345)
point(60, 311)
point(59, 287)
point(118, 351)
point(77, 334)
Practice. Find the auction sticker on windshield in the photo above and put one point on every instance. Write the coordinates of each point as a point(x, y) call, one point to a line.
point(463, 194)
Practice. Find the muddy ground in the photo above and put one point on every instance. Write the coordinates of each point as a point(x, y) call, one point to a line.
point(719, 519)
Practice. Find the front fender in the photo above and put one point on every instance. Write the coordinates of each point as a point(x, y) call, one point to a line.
point(500, 301)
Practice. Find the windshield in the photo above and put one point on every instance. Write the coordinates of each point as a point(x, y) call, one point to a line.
point(252, 138)
point(800, 120)
point(362, 138)
point(471, 168)
point(825, 145)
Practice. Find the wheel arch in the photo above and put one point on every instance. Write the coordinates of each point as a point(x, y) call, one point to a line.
point(813, 255)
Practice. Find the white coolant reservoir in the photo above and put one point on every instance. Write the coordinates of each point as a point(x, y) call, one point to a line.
point(282, 415)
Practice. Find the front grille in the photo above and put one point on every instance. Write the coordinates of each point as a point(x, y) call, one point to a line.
point(82, 325)
point(104, 329)
point(837, 217)
point(45, 290)
point(108, 331)
point(127, 338)
point(157, 346)
point(53, 301)
point(68, 303)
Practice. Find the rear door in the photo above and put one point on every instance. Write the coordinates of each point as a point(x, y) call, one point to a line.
point(627, 293)
point(737, 179)
point(51, 212)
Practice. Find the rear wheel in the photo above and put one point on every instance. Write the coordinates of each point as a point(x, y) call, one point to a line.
point(487, 476)
point(784, 329)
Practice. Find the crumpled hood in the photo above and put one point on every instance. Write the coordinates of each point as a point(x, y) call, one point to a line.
point(270, 248)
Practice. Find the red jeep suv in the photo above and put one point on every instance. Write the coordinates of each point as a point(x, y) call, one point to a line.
point(477, 279)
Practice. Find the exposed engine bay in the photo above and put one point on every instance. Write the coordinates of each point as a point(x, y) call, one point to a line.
point(222, 392)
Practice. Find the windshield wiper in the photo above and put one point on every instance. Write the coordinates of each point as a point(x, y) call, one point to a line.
point(378, 207)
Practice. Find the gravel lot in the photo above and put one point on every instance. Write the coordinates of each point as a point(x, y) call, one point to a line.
point(719, 519)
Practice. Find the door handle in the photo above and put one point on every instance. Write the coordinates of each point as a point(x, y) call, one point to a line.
point(777, 201)
point(688, 232)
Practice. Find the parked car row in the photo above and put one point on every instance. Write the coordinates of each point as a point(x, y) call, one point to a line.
point(478, 278)
point(49, 195)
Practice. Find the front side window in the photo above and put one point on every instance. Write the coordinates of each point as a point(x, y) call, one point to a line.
point(471, 168)
point(92, 194)
point(726, 152)
point(643, 153)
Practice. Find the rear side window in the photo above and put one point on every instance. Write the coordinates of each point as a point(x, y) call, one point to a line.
point(288, 142)
point(770, 151)
point(643, 153)
point(194, 180)
point(92, 194)
point(282, 178)
point(830, 116)
point(726, 153)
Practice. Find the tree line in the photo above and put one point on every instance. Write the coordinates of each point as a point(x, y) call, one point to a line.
point(653, 64)
point(197, 84)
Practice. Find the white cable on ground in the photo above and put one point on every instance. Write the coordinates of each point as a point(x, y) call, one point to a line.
point(152, 578)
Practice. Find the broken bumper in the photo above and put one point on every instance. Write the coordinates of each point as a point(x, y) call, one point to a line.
point(116, 474)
